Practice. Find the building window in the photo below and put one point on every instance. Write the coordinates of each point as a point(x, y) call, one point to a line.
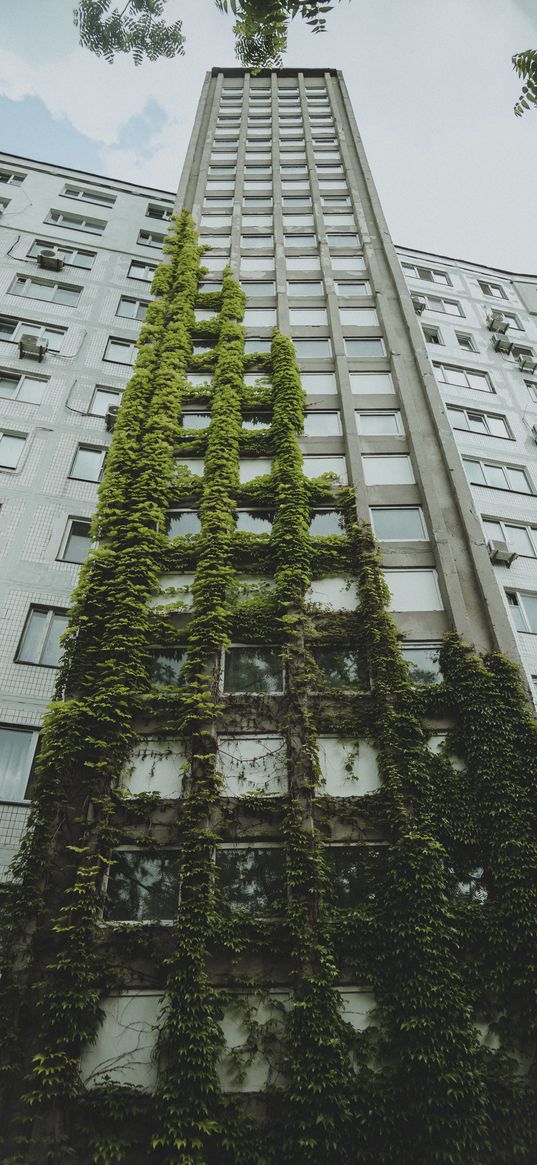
point(120, 351)
point(83, 195)
point(304, 317)
point(429, 274)
point(24, 388)
point(349, 288)
point(450, 307)
point(182, 522)
point(319, 383)
point(142, 885)
point(11, 447)
point(521, 539)
point(508, 477)
point(71, 256)
point(75, 222)
point(398, 523)
point(317, 424)
point(326, 523)
point(166, 666)
point(164, 213)
point(379, 424)
point(309, 287)
point(196, 420)
point(40, 642)
point(103, 398)
point(523, 608)
point(463, 377)
point(140, 270)
point(132, 309)
point(76, 544)
point(42, 289)
point(466, 342)
point(150, 239)
point(513, 320)
point(494, 289)
point(252, 877)
point(264, 242)
point(338, 667)
point(253, 671)
point(423, 661)
point(388, 469)
point(488, 424)
point(361, 349)
point(351, 241)
point(531, 386)
point(17, 750)
point(312, 349)
point(303, 263)
point(317, 466)
point(11, 177)
point(355, 873)
point(432, 335)
point(260, 317)
point(266, 288)
point(414, 590)
point(88, 464)
point(371, 383)
point(253, 522)
point(12, 330)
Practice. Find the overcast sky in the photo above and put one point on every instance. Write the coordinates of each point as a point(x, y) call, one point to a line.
point(431, 82)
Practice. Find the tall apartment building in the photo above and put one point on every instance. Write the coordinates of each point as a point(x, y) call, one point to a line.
point(267, 896)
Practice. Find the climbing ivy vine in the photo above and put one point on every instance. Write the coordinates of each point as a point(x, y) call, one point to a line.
point(419, 1085)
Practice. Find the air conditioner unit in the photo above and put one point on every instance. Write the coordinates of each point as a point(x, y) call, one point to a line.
point(496, 322)
point(527, 364)
point(501, 554)
point(111, 416)
point(31, 347)
point(419, 304)
point(50, 260)
point(502, 344)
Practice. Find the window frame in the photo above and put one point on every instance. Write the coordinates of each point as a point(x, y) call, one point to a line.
point(84, 446)
point(51, 613)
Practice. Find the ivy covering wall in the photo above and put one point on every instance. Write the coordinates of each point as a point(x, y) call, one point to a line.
point(420, 1086)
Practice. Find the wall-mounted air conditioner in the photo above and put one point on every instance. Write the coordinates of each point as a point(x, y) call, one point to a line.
point(496, 322)
point(501, 554)
point(502, 344)
point(527, 364)
point(31, 347)
point(49, 260)
point(419, 304)
point(111, 417)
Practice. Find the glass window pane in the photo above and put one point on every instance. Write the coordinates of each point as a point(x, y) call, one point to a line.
point(182, 522)
point(516, 612)
point(495, 476)
point(196, 420)
point(313, 349)
point(325, 523)
point(102, 399)
point(10, 450)
point(398, 524)
point(78, 543)
point(33, 637)
point(87, 464)
point(474, 471)
point(363, 348)
point(316, 466)
point(356, 871)
point(8, 385)
point(530, 607)
point(388, 470)
point(322, 424)
point(31, 390)
point(17, 747)
point(253, 522)
point(517, 537)
point(142, 886)
point(338, 667)
point(253, 670)
point(378, 424)
point(517, 480)
point(423, 664)
point(166, 667)
point(319, 383)
point(52, 649)
point(252, 879)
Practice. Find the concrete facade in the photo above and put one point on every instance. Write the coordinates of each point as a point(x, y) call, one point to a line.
point(296, 214)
